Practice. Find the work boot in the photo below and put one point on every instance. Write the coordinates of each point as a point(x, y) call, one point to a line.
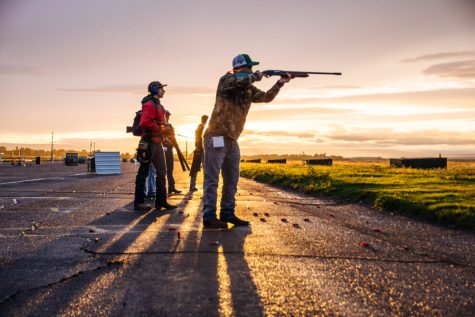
point(142, 206)
point(214, 224)
point(235, 221)
point(193, 189)
point(150, 197)
point(174, 191)
point(166, 206)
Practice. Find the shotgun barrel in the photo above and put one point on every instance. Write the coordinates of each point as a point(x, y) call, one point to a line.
point(295, 73)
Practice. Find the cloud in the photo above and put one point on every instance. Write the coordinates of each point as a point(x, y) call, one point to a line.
point(294, 111)
point(459, 70)
point(19, 70)
point(443, 55)
point(277, 133)
point(389, 137)
point(423, 117)
point(142, 89)
point(297, 106)
point(459, 97)
point(131, 89)
point(339, 87)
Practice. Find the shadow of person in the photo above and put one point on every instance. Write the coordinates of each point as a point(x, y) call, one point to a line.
point(245, 297)
point(85, 289)
point(223, 263)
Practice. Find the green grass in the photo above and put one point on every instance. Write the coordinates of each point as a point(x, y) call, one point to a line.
point(446, 196)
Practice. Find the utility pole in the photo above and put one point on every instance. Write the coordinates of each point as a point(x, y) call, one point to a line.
point(94, 148)
point(90, 148)
point(52, 133)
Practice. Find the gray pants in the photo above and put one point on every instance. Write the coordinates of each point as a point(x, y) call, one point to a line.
point(225, 159)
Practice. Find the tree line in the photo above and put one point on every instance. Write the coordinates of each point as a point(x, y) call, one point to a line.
point(26, 151)
point(292, 157)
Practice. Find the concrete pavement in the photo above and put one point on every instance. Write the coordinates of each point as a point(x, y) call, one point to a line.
point(72, 245)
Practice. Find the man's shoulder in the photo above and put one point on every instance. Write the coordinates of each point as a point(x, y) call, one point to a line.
point(151, 103)
point(227, 76)
point(148, 103)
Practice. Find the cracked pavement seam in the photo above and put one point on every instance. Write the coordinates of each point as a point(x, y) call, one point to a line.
point(310, 256)
point(64, 279)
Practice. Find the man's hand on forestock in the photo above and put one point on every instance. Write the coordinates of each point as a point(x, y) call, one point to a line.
point(285, 79)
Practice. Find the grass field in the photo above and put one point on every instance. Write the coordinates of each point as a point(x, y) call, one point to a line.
point(444, 195)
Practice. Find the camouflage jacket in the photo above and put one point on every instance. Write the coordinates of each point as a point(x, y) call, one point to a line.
point(233, 99)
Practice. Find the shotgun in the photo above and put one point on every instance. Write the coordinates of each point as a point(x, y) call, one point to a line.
point(292, 73)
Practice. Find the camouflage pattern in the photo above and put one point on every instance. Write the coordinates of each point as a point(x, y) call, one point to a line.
point(233, 99)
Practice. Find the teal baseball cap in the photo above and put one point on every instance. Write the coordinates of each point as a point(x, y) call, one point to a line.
point(243, 60)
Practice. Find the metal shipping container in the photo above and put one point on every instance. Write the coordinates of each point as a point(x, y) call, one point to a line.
point(107, 163)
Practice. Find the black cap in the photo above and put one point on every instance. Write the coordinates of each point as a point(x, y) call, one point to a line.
point(154, 86)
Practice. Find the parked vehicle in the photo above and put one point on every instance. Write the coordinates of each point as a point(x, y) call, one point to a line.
point(82, 159)
point(71, 159)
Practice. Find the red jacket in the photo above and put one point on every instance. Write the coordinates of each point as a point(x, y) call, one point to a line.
point(153, 113)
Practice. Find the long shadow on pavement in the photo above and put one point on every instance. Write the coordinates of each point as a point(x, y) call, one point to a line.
point(53, 297)
point(146, 270)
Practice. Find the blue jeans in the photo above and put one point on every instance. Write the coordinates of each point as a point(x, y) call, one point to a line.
point(152, 174)
point(225, 159)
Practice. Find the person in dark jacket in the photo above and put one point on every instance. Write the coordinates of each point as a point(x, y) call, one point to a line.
point(197, 153)
point(169, 158)
point(153, 125)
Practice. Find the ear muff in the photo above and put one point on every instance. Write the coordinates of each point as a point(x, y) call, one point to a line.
point(153, 88)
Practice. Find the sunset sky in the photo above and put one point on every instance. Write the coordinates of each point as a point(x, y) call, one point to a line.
point(80, 69)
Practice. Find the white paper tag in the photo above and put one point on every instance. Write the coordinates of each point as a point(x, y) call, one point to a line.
point(218, 141)
point(165, 148)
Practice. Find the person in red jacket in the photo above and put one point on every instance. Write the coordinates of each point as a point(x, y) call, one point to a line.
point(153, 125)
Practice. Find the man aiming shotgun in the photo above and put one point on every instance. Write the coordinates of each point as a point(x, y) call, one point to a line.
point(234, 96)
point(292, 73)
